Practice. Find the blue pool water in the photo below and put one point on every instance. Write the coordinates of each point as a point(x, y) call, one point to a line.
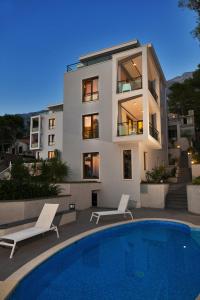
point(142, 260)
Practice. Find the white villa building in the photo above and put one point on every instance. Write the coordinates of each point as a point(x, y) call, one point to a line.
point(46, 132)
point(114, 119)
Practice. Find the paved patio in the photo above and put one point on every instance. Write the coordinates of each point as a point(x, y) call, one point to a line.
point(31, 248)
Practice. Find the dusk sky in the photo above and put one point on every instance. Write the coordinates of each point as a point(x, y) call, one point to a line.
point(38, 38)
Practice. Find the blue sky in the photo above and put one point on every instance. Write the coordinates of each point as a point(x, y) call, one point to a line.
point(38, 38)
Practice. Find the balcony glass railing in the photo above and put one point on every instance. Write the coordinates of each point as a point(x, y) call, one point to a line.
point(129, 85)
point(153, 132)
point(152, 90)
point(126, 128)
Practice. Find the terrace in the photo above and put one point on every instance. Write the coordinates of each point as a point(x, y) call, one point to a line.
point(36, 246)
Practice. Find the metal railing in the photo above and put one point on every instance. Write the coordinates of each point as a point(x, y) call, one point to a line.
point(152, 90)
point(90, 133)
point(125, 128)
point(77, 65)
point(129, 85)
point(153, 132)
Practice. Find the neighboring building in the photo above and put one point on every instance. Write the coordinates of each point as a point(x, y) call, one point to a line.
point(20, 147)
point(115, 119)
point(46, 132)
point(181, 130)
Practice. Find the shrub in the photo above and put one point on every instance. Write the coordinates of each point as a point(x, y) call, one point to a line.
point(23, 186)
point(157, 175)
point(54, 170)
point(196, 181)
point(14, 190)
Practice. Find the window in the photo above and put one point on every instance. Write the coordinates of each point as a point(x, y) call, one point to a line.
point(91, 126)
point(145, 161)
point(35, 123)
point(91, 165)
point(90, 89)
point(51, 139)
point(51, 154)
point(127, 164)
point(34, 140)
point(52, 123)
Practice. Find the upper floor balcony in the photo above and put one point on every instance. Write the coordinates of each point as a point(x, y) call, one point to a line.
point(131, 125)
point(129, 73)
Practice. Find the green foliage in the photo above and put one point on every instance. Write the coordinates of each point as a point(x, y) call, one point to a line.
point(157, 175)
point(185, 96)
point(15, 190)
point(54, 170)
point(195, 6)
point(196, 158)
point(11, 128)
point(19, 172)
point(196, 181)
point(24, 186)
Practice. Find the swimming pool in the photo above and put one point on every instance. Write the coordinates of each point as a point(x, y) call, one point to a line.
point(139, 260)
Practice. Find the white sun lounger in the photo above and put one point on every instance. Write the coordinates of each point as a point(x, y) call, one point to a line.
point(122, 209)
point(43, 224)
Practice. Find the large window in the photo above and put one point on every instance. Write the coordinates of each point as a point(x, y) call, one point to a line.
point(51, 139)
point(52, 123)
point(91, 165)
point(90, 89)
point(127, 164)
point(91, 126)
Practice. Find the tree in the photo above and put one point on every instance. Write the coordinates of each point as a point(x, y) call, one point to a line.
point(195, 6)
point(11, 128)
point(185, 96)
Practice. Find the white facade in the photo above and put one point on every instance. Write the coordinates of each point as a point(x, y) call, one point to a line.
point(121, 103)
point(46, 132)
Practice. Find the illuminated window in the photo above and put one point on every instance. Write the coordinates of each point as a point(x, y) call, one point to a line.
point(127, 164)
point(51, 154)
point(91, 126)
point(52, 123)
point(90, 89)
point(91, 165)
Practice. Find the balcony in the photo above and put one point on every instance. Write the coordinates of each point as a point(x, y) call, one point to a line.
point(129, 85)
point(127, 128)
point(153, 132)
point(152, 90)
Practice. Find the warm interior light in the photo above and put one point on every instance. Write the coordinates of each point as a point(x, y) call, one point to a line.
point(192, 162)
point(178, 146)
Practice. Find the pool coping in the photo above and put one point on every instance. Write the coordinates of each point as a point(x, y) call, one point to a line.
point(8, 285)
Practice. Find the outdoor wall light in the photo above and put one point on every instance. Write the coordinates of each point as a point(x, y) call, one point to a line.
point(72, 206)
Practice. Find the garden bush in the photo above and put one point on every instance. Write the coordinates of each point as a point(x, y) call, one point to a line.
point(157, 175)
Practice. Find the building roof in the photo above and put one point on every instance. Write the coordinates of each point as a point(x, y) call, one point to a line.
point(111, 50)
point(56, 107)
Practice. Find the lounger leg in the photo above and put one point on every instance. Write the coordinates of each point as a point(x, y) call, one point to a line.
point(13, 250)
point(130, 213)
point(57, 233)
point(97, 219)
point(91, 217)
